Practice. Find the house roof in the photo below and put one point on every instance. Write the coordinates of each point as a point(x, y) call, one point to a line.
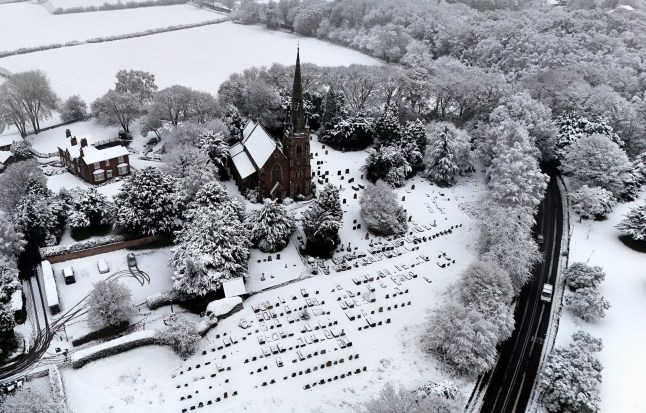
point(92, 155)
point(4, 155)
point(243, 164)
point(259, 145)
point(233, 287)
point(247, 129)
point(9, 139)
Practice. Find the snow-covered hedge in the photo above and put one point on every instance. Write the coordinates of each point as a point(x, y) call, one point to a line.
point(80, 246)
point(118, 6)
point(58, 392)
point(104, 332)
point(110, 348)
point(206, 324)
point(224, 307)
point(158, 300)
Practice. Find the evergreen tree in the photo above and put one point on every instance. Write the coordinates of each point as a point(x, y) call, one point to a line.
point(572, 127)
point(352, 133)
point(415, 131)
point(21, 150)
point(333, 110)
point(214, 196)
point(40, 215)
point(8, 278)
point(634, 224)
point(150, 202)
point(270, 227)
point(388, 163)
point(381, 211)
point(7, 321)
point(211, 248)
point(88, 208)
point(12, 242)
point(190, 166)
point(441, 166)
point(387, 128)
point(217, 150)
point(321, 227)
point(329, 199)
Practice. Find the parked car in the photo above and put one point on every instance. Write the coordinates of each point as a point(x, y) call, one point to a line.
point(102, 266)
point(68, 275)
point(540, 239)
point(546, 294)
point(132, 260)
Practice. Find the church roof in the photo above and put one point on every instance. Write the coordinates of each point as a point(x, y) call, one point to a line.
point(258, 144)
point(243, 164)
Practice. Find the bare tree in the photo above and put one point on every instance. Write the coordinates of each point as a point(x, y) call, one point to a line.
point(26, 97)
point(117, 108)
point(137, 82)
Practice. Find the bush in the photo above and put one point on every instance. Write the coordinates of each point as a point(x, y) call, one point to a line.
point(587, 304)
point(592, 202)
point(181, 335)
point(581, 275)
point(101, 333)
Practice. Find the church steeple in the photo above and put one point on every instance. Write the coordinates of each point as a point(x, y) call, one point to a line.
point(298, 111)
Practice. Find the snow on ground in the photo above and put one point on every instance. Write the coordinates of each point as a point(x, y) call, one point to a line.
point(125, 383)
point(65, 4)
point(289, 267)
point(200, 58)
point(49, 140)
point(622, 330)
point(151, 261)
point(80, 27)
point(389, 352)
point(68, 180)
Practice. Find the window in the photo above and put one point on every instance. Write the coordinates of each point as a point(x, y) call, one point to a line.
point(97, 165)
point(276, 173)
point(123, 169)
point(107, 162)
point(99, 175)
point(108, 173)
point(121, 159)
point(298, 189)
point(299, 150)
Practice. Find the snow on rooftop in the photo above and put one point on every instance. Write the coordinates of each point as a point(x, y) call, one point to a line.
point(50, 285)
point(234, 287)
point(236, 149)
point(9, 139)
point(222, 306)
point(92, 155)
point(4, 155)
point(248, 128)
point(259, 145)
point(15, 304)
point(243, 164)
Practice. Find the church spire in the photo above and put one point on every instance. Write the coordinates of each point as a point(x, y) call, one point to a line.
point(298, 111)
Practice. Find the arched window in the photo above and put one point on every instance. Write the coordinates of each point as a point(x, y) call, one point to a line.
point(299, 150)
point(276, 173)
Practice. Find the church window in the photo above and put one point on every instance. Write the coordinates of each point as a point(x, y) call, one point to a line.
point(299, 150)
point(276, 173)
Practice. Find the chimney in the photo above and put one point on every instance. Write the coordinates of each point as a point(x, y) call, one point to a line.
point(73, 141)
point(68, 133)
point(83, 142)
point(81, 150)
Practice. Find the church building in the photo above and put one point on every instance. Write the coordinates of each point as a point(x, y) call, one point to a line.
point(277, 170)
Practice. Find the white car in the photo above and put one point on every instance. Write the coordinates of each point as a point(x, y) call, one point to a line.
point(546, 294)
point(68, 275)
point(102, 266)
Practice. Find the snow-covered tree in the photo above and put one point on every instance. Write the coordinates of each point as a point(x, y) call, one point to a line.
point(214, 196)
point(634, 224)
point(415, 131)
point(117, 109)
point(483, 283)
point(216, 148)
point(592, 202)
point(388, 163)
point(351, 133)
point(138, 82)
point(74, 109)
point(333, 110)
point(181, 335)
point(7, 321)
point(270, 227)
point(12, 242)
point(388, 130)
point(40, 215)
point(110, 303)
point(149, 202)
point(88, 208)
point(321, 228)
point(213, 246)
point(570, 380)
point(587, 304)
point(584, 341)
point(597, 161)
point(15, 181)
point(462, 338)
point(21, 150)
point(515, 178)
point(381, 211)
point(573, 127)
point(448, 152)
point(329, 199)
point(190, 166)
point(8, 278)
point(29, 400)
point(581, 275)
point(393, 399)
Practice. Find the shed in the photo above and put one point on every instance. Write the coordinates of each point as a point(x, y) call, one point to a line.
point(234, 287)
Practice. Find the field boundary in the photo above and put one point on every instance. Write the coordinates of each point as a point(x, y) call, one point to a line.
point(150, 32)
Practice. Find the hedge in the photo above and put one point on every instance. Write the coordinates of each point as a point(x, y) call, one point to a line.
point(118, 6)
point(47, 252)
point(58, 392)
point(104, 332)
point(110, 348)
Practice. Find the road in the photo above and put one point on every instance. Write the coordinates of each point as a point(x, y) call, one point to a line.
point(511, 382)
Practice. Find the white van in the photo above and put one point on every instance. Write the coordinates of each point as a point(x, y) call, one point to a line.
point(546, 294)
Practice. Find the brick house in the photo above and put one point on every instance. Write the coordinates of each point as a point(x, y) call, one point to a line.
point(92, 164)
point(277, 170)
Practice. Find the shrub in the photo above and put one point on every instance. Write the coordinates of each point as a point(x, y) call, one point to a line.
point(587, 304)
point(581, 275)
point(181, 335)
point(110, 304)
point(101, 333)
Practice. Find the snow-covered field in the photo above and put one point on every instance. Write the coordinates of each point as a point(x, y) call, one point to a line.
point(623, 330)
point(200, 58)
point(65, 4)
point(15, 34)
